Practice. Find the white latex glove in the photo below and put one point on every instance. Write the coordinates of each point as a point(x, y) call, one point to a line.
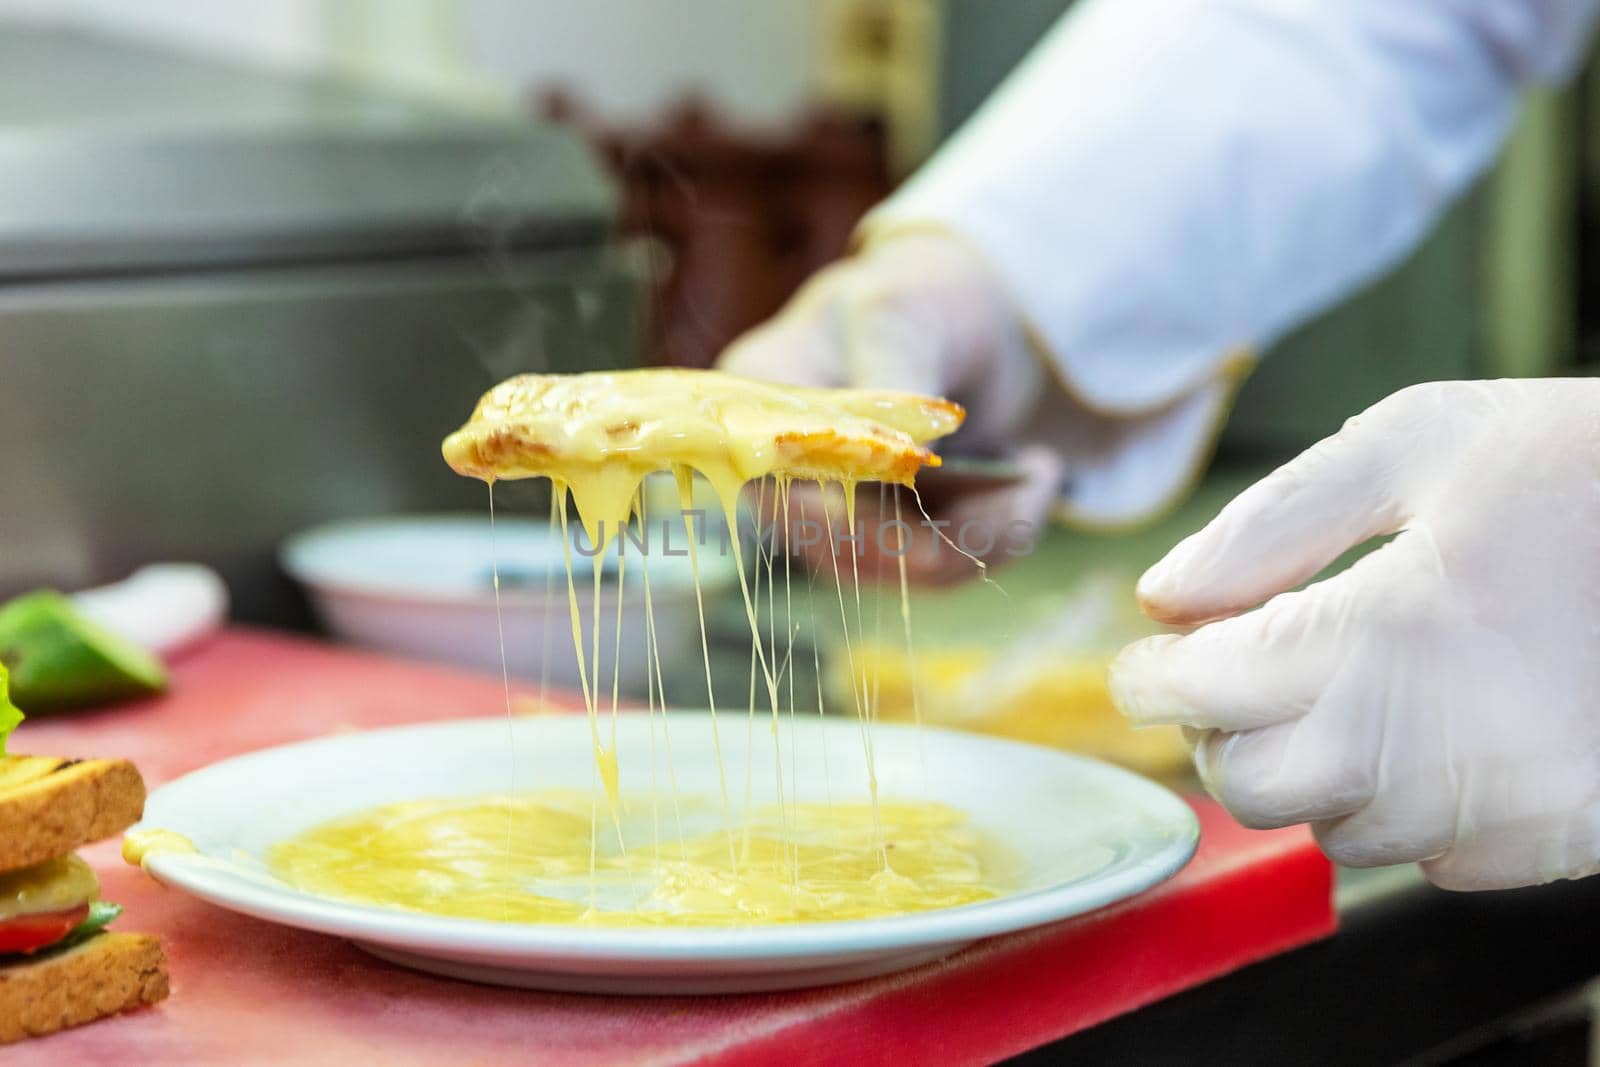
point(164, 607)
point(920, 311)
point(1440, 699)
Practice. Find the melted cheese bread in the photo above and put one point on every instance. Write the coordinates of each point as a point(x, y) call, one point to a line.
point(600, 433)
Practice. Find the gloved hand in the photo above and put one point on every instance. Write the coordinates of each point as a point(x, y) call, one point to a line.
point(920, 313)
point(1439, 700)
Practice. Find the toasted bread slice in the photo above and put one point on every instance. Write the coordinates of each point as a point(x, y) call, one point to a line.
point(567, 426)
point(107, 974)
point(49, 806)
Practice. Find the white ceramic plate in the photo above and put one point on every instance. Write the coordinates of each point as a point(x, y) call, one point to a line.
point(421, 585)
point(1091, 834)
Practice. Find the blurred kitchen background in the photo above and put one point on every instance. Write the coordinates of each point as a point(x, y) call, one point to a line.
point(257, 259)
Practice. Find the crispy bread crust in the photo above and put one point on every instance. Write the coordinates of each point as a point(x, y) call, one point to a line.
point(49, 807)
point(552, 425)
point(106, 975)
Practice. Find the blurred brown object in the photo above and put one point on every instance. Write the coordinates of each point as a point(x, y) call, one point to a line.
point(740, 217)
point(1060, 702)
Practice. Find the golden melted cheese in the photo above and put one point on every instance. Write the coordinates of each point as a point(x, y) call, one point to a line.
point(526, 858)
point(54, 885)
point(539, 859)
point(140, 845)
point(600, 433)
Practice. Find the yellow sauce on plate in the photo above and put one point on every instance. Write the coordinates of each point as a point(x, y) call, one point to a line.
point(140, 845)
point(526, 858)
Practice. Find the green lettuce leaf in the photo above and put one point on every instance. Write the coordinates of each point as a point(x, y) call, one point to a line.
point(9, 715)
point(101, 913)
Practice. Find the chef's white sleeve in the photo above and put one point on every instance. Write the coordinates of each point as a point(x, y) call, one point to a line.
point(1164, 185)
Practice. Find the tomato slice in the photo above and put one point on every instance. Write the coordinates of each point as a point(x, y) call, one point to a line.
point(30, 933)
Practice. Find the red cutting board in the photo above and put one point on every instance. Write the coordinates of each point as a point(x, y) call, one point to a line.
point(248, 992)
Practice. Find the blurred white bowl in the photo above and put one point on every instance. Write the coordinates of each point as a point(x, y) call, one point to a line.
point(423, 586)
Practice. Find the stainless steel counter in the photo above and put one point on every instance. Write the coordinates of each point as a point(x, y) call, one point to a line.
point(236, 303)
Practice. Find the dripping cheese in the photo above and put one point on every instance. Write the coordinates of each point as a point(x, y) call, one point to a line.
point(597, 436)
point(600, 433)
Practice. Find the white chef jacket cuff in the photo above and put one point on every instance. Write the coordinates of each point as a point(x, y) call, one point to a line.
point(1127, 462)
point(1158, 182)
point(1144, 465)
